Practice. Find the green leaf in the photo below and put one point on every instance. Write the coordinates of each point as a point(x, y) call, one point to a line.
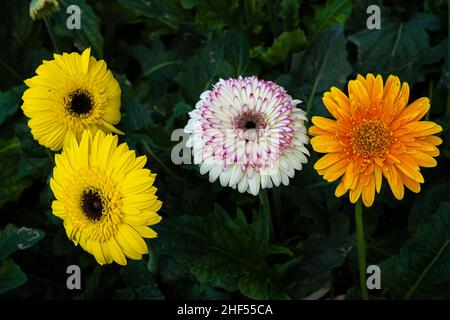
point(397, 48)
point(332, 12)
point(323, 65)
point(139, 278)
point(189, 4)
point(422, 268)
point(197, 73)
point(289, 13)
point(89, 35)
point(283, 45)
point(12, 183)
point(13, 239)
point(274, 249)
point(157, 9)
point(427, 202)
point(135, 114)
point(161, 59)
point(321, 256)
point(10, 102)
point(180, 111)
point(11, 276)
point(233, 54)
point(34, 158)
point(219, 250)
point(124, 294)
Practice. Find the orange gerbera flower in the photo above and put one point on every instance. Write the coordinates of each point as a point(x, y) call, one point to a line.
point(375, 134)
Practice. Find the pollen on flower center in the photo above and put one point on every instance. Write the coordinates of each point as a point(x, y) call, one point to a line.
point(92, 204)
point(80, 102)
point(370, 138)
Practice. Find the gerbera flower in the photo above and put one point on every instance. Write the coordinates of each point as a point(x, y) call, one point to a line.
point(71, 93)
point(375, 134)
point(248, 133)
point(105, 197)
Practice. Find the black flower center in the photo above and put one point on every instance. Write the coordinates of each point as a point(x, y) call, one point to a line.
point(250, 125)
point(250, 120)
point(80, 102)
point(92, 205)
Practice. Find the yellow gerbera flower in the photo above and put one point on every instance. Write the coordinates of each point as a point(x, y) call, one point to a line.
point(375, 134)
point(71, 93)
point(105, 197)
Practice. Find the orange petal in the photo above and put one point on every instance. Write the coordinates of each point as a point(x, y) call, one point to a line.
point(409, 172)
point(316, 131)
point(412, 185)
point(340, 189)
point(423, 128)
point(349, 175)
point(413, 112)
point(433, 140)
point(325, 143)
point(325, 124)
point(424, 160)
point(336, 171)
point(331, 105)
point(354, 194)
point(358, 92)
point(368, 193)
point(378, 177)
point(328, 160)
point(397, 189)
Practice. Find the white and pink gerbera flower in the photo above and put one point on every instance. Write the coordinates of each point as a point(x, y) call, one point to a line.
point(248, 133)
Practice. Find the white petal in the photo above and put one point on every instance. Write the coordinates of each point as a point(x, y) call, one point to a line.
point(214, 173)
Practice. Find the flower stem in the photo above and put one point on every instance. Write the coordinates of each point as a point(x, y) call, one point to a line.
point(265, 211)
point(51, 156)
point(279, 221)
point(163, 165)
point(361, 249)
point(11, 70)
point(51, 34)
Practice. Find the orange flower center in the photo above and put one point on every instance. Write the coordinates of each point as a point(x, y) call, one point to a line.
point(370, 138)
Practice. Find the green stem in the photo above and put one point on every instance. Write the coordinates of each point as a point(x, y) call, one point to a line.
point(265, 211)
point(361, 249)
point(424, 273)
point(51, 156)
point(11, 70)
point(51, 34)
point(146, 73)
point(95, 279)
point(162, 164)
point(46, 281)
point(278, 210)
point(273, 21)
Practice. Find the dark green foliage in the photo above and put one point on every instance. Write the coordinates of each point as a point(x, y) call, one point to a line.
point(211, 242)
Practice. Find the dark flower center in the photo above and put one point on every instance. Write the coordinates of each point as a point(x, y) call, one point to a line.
point(250, 120)
point(250, 125)
point(92, 205)
point(80, 102)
